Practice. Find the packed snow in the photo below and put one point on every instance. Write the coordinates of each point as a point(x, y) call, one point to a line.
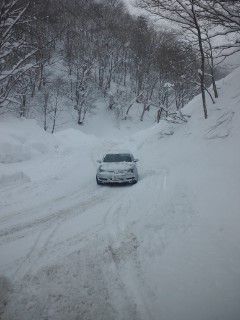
point(166, 248)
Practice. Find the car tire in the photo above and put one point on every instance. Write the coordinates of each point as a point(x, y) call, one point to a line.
point(98, 182)
point(134, 181)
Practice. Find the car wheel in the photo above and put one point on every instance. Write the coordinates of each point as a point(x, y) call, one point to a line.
point(98, 182)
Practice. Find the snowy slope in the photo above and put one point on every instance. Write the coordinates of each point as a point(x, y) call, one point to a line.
point(99, 120)
point(165, 248)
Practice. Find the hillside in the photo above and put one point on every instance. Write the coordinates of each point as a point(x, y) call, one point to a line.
point(166, 248)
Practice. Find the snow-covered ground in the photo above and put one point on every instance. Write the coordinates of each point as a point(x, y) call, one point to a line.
point(166, 248)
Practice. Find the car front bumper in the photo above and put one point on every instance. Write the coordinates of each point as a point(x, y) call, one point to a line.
point(116, 178)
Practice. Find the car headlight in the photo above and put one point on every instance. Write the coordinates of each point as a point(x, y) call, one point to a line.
point(100, 170)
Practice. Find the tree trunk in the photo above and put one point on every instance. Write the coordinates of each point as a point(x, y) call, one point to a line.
point(55, 113)
point(40, 76)
point(145, 108)
point(128, 109)
point(159, 113)
point(202, 74)
point(46, 96)
point(212, 68)
point(80, 116)
point(214, 85)
point(45, 119)
point(125, 70)
point(210, 95)
point(100, 76)
point(23, 108)
point(54, 119)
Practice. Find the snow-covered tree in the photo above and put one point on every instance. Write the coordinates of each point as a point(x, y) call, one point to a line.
point(15, 53)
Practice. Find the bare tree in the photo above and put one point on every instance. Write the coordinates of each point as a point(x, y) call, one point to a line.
point(224, 13)
point(184, 13)
point(15, 53)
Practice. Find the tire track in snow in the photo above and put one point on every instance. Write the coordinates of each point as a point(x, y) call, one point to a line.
point(49, 226)
point(46, 204)
point(34, 253)
point(124, 246)
point(11, 233)
point(122, 249)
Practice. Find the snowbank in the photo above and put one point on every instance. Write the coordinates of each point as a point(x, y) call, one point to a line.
point(22, 140)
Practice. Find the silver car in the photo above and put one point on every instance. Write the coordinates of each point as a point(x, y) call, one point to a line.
point(117, 168)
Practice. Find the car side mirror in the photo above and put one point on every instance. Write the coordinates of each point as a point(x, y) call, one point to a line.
point(136, 160)
point(99, 161)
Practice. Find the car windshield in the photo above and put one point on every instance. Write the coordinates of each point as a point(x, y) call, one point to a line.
point(120, 157)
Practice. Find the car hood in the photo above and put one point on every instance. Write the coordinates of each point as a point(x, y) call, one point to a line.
point(116, 166)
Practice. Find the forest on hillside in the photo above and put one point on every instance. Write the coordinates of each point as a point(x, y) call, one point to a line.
point(80, 51)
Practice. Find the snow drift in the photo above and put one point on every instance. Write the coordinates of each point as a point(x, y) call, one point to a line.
point(22, 140)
